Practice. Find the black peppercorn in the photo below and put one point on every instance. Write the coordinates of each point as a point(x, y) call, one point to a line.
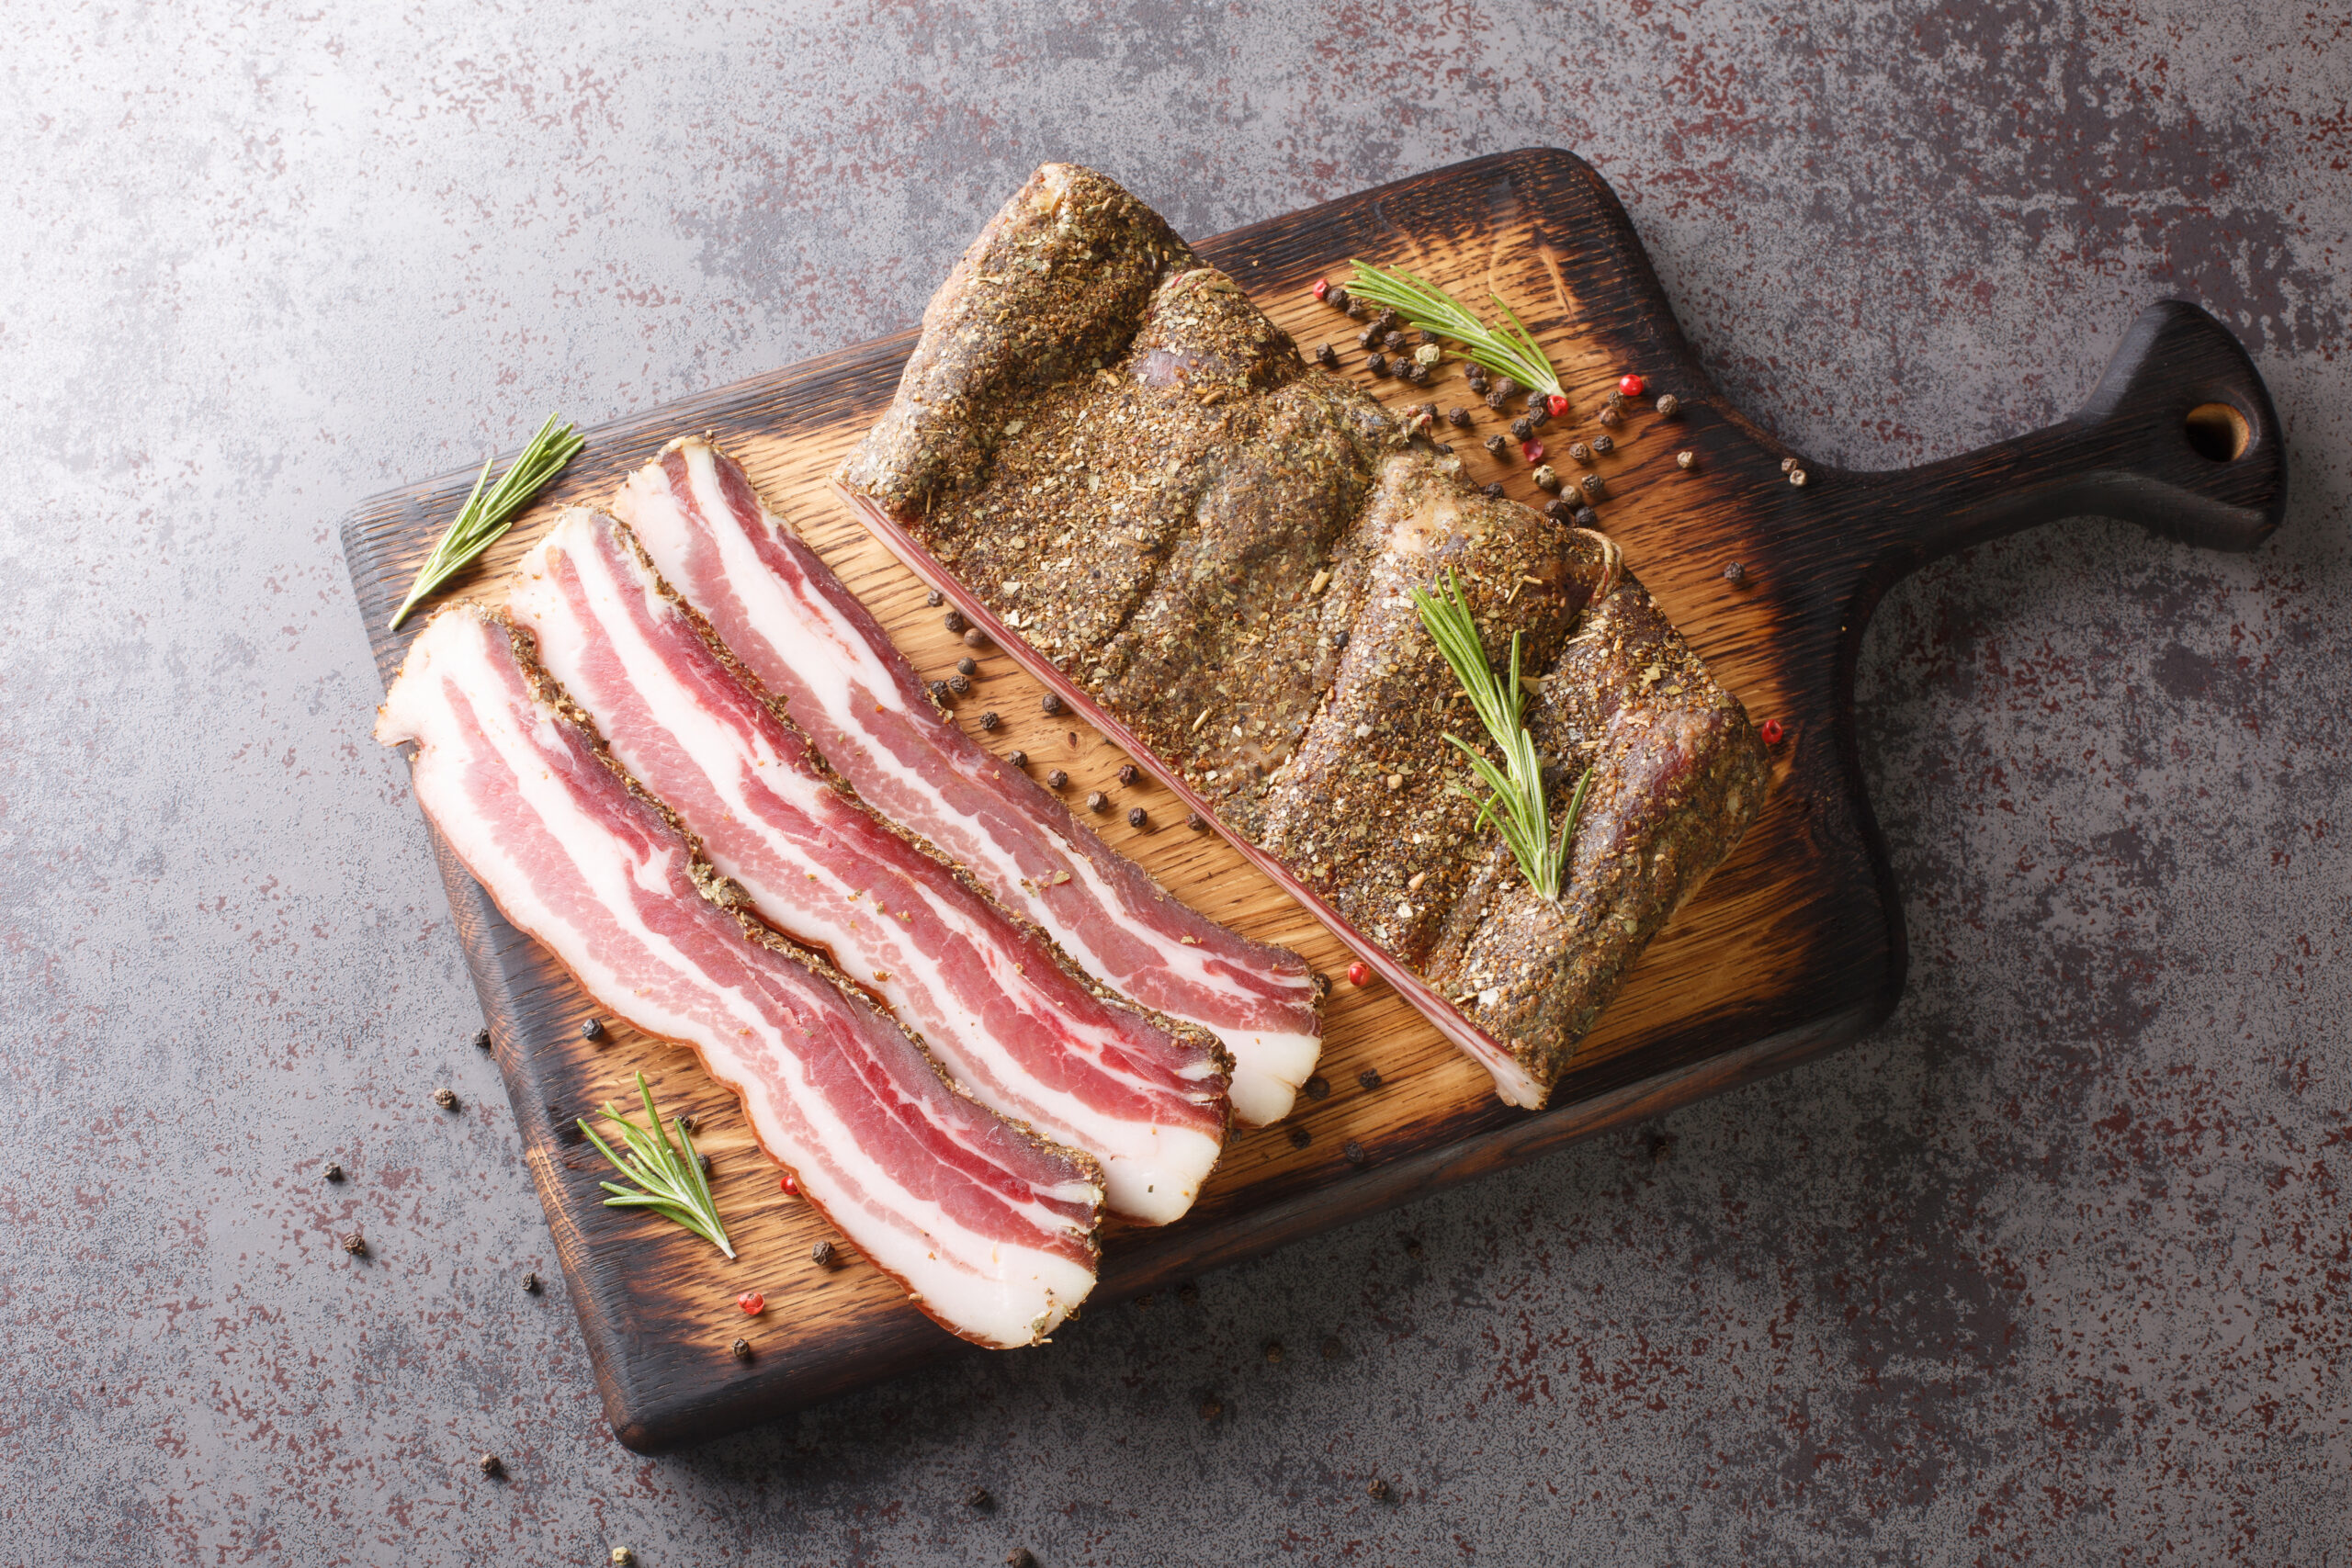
point(1496, 444)
point(1602, 445)
point(1506, 388)
point(1586, 517)
point(1393, 342)
point(594, 1028)
point(932, 598)
point(1196, 822)
point(742, 1348)
point(1611, 417)
point(1328, 356)
point(1098, 801)
point(704, 1160)
point(1416, 373)
point(939, 692)
point(1492, 490)
point(1338, 639)
point(1057, 779)
point(356, 1245)
point(1273, 1352)
point(1594, 486)
point(1300, 1137)
point(1387, 320)
point(1369, 1077)
point(488, 1464)
point(1367, 337)
point(1558, 510)
point(1580, 452)
point(1378, 1490)
point(1459, 418)
point(1496, 399)
point(824, 1254)
point(1129, 773)
point(1018, 759)
point(1377, 364)
point(964, 666)
point(1137, 817)
point(1735, 574)
point(954, 621)
point(1539, 407)
point(1337, 299)
point(978, 1497)
point(1050, 704)
point(481, 1039)
point(334, 1172)
point(1522, 429)
point(1668, 406)
point(1352, 1154)
point(1211, 1407)
point(1318, 1087)
point(446, 1098)
point(976, 638)
point(1474, 376)
point(960, 684)
point(531, 1284)
point(988, 720)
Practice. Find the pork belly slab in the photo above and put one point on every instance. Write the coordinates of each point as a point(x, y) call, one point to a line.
point(991, 999)
point(804, 636)
point(989, 1226)
point(1125, 472)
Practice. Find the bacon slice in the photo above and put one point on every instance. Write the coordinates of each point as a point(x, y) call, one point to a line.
point(989, 1227)
point(804, 635)
point(993, 1000)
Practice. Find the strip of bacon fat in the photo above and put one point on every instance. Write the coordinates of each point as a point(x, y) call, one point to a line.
point(991, 999)
point(987, 1226)
point(798, 629)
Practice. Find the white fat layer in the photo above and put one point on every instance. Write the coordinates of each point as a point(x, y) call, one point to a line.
point(722, 778)
point(1000, 1296)
point(802, 641)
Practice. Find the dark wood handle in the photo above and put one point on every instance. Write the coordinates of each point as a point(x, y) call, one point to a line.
point(2179, 437)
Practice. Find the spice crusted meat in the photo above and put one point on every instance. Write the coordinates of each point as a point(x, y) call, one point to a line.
point(1109, 448)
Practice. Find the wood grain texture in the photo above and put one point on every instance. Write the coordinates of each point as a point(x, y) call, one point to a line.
point(1793, 946)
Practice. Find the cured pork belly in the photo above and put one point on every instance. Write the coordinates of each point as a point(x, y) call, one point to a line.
point(993, 1000)
point(1127, 474)
point(989, 1226)
point(800, 631)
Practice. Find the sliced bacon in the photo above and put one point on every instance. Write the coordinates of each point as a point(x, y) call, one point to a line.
point(991, 999)
point(989, 1227)
point(804, 635)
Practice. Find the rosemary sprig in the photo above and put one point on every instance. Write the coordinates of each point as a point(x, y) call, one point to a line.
point(1515, 800)
point(484, 517)
point(1510, 350)
point(674, 1183)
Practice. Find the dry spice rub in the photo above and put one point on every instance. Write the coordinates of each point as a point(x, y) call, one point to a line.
point(1106, 445)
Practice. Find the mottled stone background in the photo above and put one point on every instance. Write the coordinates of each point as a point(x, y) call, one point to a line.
point(2053, 1269)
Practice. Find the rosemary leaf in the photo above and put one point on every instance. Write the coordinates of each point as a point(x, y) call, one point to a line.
point(671, 1182)
point(1515, 802)
point(484, 517)
point(1510, 350)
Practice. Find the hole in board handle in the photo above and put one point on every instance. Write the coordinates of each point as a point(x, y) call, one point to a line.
point(2218, 432)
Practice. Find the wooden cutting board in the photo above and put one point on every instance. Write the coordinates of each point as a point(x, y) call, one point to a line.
point(1795, 945)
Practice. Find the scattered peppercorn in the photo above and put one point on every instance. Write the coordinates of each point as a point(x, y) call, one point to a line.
point(594, 1028)
point(1387, 320)
point(1393, 342)
point(1492, 490)
point(1352, 1154)
point(1378, 1490)
point(978, 1497)
point(1367, 337)
point(1580, 452)
point(1318, 1087)
point(1547, 480)
point(1616, 400)
point(742, 1349)
point(1196, 822)
point(1594, 486)
point(1211, 1408)
point(1412, 1246)
point(1415, 373)
point(1586, 517)
point(1630, 384)
point(1098, 801)
point(1684, 459)
point(1328, 356)
point(489, 1465)
point(1377, 364)
point(446, 1098)
point(1735, 574)
point(1137, 817)
point(1556, 406)
point(1506, 388)
point(1300, 1137)
point(531, 1284)
point(1130, 774)
point(988, 720)
point(939, 692)
point(824, 1254)
point(1772, 732)
point(1602, 445)
point(932, 599)
point(1788, 463)
point(1796, 478)
point(1458, 417)
point(1338, 639)
point(1496, 444)
point(960, 684)
point(1668, 406)
point(622, 1557)
point(1522, 429)
point(1612, 418)
point(954, 621)
point(976, 638)
point(1322, 290)
point(1533, 451)
point(1338, 299)
point(1332, 1349)
point(788, 1186)
point(1558, 510)
point(1018, 759)
point(356, 1245)
point(1057, 779)
point(334, 1172)
point(1273, 1352)
point(752, 1303)
point(1369, 1077)
point(481, 1039)
point(1539, 407)
point(1359, 973)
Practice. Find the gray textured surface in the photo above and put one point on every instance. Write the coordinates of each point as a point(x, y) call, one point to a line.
point(2053, 1269)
